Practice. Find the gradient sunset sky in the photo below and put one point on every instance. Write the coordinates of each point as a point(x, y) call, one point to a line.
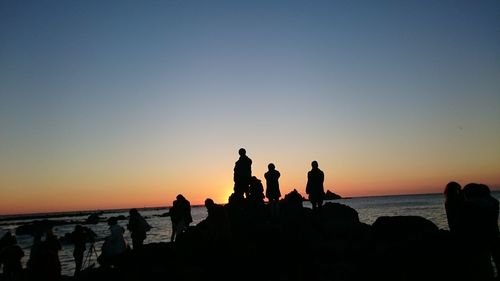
point(120, 104)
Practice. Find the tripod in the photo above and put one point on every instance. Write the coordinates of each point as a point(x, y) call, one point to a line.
point(87, 262)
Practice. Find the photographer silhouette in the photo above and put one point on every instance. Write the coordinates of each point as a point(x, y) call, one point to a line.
point(80, 236)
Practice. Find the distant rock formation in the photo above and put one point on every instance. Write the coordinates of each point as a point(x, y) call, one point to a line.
point(93, 218)
point(37, 227)
point(332, 196)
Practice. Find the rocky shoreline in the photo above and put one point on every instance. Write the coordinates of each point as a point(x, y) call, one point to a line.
point(300, 245)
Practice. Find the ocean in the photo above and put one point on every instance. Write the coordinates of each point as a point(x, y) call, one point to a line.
point(429, 206)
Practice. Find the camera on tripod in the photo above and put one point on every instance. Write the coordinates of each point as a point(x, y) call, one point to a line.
point(90, 234)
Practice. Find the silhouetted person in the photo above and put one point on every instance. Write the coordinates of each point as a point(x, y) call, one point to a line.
point(79, 239)
point(138, 226)
point(453, 202)
point(492, 205)
point(242, 174)
point(114, 244)
point(180, 215)
point(216, 226)
point(314, 187)
point(10, 257)
point(35, 264)
point(52, 246)
point(273, 193)
point(478, 229)
point(256, 192)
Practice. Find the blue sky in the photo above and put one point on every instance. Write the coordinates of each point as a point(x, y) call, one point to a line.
point(155, 89)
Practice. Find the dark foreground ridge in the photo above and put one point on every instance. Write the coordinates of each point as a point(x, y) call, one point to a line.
point(331, 244)
point(245, 242)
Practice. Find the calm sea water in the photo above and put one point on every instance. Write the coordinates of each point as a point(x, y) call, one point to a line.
point(430, 206)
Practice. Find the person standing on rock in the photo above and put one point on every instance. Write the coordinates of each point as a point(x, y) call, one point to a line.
point(314, 187)
point(242, 174)
point(273, 193)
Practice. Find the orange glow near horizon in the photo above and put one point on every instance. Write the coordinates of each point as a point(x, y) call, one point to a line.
point(156, 195)
point(118, 177)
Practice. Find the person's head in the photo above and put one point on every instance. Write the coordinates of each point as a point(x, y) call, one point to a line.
point(78, 228)
point(242, 152)
point(452, 189)
point(484, 190)
point(180, 197)
point(8, 235)
point(9, 239)
point(209, 203)
point(472, 190)
point(133, 212)
point(271, 167)
point(49, 231)
point(112, 221)
point(314, 164)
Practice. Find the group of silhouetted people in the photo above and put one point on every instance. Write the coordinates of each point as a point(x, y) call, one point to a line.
point(472, 214)
point(43, 263)
point(246, 185)
point(10, 257)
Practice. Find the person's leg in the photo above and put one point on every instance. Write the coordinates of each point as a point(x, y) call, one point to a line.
point(320, 204)
point(313, 203)
point(135, 243)
point(174, 229)
point(181, 226)
point(78, 261)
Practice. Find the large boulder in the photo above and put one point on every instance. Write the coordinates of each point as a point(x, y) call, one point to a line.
point(335, 214)
point(397, 228)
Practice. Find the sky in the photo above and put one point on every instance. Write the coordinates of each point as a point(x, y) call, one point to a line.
point(121, 104)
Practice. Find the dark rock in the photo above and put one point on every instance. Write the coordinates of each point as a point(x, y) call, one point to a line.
point(93, 218)
point(339, 214)
point(401, 227)
point(35, 227)
point(332, 196)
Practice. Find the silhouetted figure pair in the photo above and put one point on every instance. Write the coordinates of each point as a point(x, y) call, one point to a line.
point(44, 263)
point(473, 217)
point(10, 257)
point(180, 215)
point(138, 226)
point(273, 193)
point(314, 187)
point(242, 174)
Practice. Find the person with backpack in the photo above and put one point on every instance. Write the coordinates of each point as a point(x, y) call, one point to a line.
point(138, 226)
point(180, 215)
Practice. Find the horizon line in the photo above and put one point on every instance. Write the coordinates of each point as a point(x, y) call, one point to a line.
point(52, 213)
